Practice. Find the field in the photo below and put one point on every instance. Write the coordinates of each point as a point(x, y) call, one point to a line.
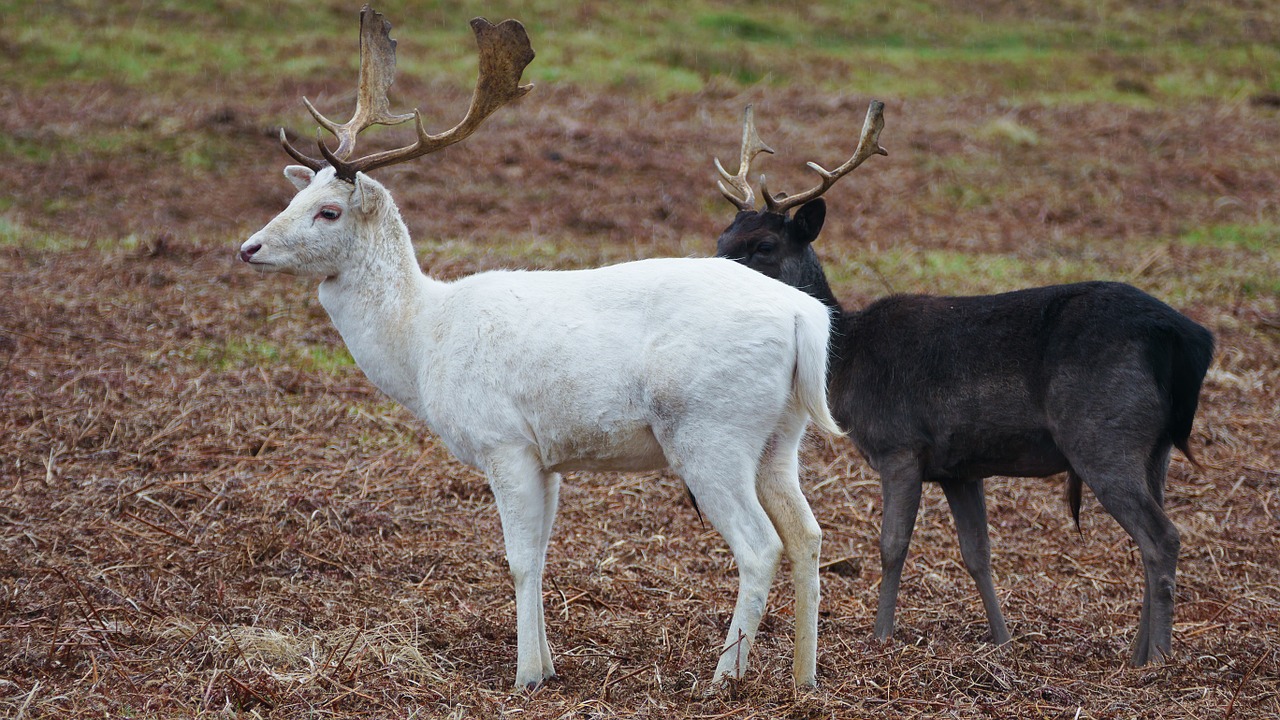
point(206, 510)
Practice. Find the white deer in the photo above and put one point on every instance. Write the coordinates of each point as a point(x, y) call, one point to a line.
point(701, 365)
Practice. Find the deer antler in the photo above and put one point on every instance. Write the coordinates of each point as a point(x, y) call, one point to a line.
point(751, 147)
point(868, 145)
point(504, 53)
point(377, 73)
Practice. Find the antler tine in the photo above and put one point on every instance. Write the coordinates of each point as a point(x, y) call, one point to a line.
point(377, 73)
point(504, 53)
point(310, 162)
point(868, 145)
point(751, 147)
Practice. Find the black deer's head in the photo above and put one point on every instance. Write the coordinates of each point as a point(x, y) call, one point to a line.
point(769, 240)
point(780, 247)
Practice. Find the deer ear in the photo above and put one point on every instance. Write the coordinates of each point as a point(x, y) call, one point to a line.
point(809, 218)
point(370, 194)
point(300, 176)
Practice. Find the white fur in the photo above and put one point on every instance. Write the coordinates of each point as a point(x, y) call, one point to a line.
point(702, 365)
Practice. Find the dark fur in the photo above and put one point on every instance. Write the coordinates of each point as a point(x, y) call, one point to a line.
point(1095, 379)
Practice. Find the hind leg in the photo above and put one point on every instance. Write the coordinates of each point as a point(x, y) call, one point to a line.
point(1109, 416)
point(1124, 491)
point(551, 502)
point(722, 479)
point(1145, 647)
point(969, 508)
point(779, 491)
point(900, 488)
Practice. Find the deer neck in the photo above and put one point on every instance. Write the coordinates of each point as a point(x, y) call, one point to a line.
point(380, 305)
point(805, 272)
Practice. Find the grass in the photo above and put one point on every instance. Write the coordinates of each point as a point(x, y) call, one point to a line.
point(1250, 275)
point(14, 234)
point(237, 354)
point(207, 511)
point(1232, 261)
point(1263, 239)
point(1077, 54)
point(951, 272)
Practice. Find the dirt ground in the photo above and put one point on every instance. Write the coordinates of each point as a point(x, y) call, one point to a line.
point(204, 511)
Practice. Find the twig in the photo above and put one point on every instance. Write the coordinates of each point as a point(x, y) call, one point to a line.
point(57, 625)
point(103, 639)
point(1231, 706)
point(346, 652)
point(193, 636)
point(563, 598)
point(30, 696)
point(270, 705)
point(604, 689)
point(158, 528)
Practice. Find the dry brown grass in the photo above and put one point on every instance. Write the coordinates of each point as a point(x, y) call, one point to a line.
point(201, 513)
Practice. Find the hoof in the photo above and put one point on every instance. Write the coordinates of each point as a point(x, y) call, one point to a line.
point(1148, 656)
point(809, 683)
point(535, 684)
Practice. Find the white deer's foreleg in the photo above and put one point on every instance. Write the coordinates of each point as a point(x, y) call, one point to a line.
point(526, 496)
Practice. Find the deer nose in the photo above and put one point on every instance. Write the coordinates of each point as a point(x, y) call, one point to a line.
point(248, 252)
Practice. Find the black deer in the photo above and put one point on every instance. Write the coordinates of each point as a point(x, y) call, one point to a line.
point(1095, 379)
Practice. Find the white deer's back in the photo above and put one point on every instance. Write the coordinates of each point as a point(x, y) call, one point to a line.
point(583, 364)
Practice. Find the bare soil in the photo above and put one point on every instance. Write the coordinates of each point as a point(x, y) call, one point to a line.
point(198, 517)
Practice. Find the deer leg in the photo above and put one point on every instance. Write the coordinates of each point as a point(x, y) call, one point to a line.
point(969, 508)
point(722, 480)
point(1150, 618)
point(779, 491)
point(551, 502)
point(522, 491)
point(1126, 495)
point(900, 488)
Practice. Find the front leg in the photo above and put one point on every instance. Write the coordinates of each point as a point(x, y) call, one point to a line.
point(526, 496)
point(900, 489)
point(968, 504)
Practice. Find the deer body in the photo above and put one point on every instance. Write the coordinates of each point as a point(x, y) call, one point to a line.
point(630, 367)
point(1099, 380)
point(524, 375)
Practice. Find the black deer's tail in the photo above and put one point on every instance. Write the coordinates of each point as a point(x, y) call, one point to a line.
point(1073, 496)
point(1191, 353)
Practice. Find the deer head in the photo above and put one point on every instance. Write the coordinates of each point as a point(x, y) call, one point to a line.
point(337, 201)
point(769, 240)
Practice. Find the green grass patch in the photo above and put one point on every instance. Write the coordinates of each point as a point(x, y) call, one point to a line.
point(16, 235)
point(1070, 52)
point(740, 27)
point(948, 272)
point(25, 148)
point(1264, 239)
point(241, 354)
point(329, 359)
point(1246, 262)
point(235, 354)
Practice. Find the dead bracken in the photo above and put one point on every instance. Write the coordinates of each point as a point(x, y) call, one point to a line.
point(206, 510)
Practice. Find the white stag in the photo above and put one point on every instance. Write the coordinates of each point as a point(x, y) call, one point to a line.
point(701, 365)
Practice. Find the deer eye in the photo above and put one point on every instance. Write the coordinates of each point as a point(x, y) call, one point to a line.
point(329, 212)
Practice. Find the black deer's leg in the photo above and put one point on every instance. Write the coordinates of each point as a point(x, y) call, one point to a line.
point(1123, 491)
point(900, 488)
point(1155, 630)
point(1116, 443)
point(969, 508)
